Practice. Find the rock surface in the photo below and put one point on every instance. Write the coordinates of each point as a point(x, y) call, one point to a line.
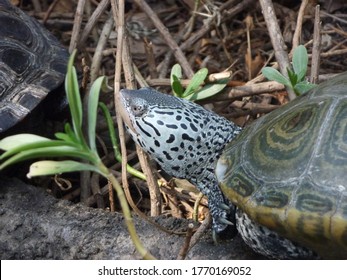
point(35, 225)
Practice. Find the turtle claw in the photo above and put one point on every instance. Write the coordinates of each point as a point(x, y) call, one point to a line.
point(225, 221)
point(224, 207)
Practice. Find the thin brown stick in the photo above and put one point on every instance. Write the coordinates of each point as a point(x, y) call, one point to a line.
point(97, 57)
point(118, 14)
point(315, 61)
point(277, 40)
point(200, 231)
point(49, 11)
point(100, 9)
point(37, 6)
point(150, 59)
point(130, 81)
point(167, 37)
point(298, 28)
point(77, 25)
point(185, 248)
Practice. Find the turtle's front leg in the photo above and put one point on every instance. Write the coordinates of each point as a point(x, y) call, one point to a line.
point(222, 211)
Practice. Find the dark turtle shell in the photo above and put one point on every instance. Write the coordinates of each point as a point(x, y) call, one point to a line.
point(288, 170)
point(32, 63)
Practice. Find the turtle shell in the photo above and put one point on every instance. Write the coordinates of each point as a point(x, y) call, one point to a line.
point(288, 170)
point(32, 63)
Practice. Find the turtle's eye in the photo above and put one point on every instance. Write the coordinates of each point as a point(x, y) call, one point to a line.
point(138, 109)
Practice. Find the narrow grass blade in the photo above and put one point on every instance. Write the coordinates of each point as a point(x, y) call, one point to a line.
point(35, 145)
point(61, 151)
point(73, 96)
point(14, 141)
point(93, 100)
point(50, 167)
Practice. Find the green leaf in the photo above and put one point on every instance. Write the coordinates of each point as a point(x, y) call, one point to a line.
point(176, 86)
point(60, 151)
point(293, 78)
point(303, 87)
point(175, 80)
point(64, 137)
point(93, 100)
point(73, 96)
point(14, 141)
point(273, 75)
point(49, 167)
point(300, 62)
point(34, 145)
point(196, 81)
point(208, 90)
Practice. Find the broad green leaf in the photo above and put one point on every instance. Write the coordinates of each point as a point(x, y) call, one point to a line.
point(175, 80)
point(73, 96)
point(14, 141)
point(273, 75)
point(49, 167)
point(176, 86)
point(208, 90)
point(300, 61)
point(61, 151)
point(303, 87)
point(196, 81)
point(93, 100)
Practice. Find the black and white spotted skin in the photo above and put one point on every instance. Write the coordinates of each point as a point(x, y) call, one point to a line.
point(184, 138)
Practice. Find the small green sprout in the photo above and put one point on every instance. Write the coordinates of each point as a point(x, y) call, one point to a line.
point(297, 78)
point(195, 89)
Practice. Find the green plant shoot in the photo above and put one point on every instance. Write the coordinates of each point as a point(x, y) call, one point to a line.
point(296, 77)
point(70, 143)
point(196, 90)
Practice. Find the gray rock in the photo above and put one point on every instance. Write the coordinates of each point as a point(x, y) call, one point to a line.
point(35, 225)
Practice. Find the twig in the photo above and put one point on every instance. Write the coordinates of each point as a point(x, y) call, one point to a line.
point(299, 20)
point(153, 187)
point(37, 6)
point(332, 53)
point(97, 57)
point(49, 11)
point(130, 81)
point(277, 40)
point(249, 90)
point(206, 28)
point(118, 14)
point(185, 248)
point(200, 231)
point(95, 187)
point(167, 37)
point(100, 9)
point(315, 61)
point(77, 25)
point(150, 59)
